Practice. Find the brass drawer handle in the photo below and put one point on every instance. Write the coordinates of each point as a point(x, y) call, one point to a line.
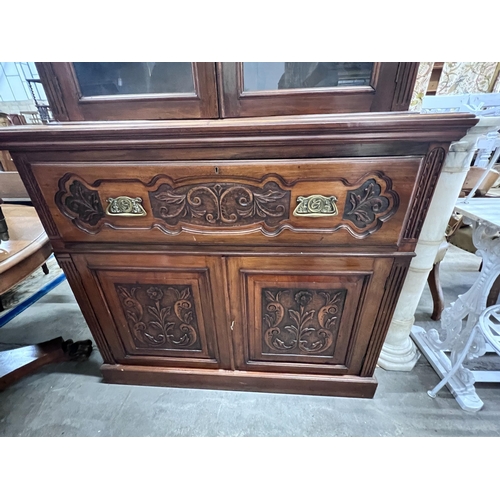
point(316, 205)
point(125, 206)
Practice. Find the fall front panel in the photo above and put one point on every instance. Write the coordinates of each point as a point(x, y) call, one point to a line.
point(363, 201)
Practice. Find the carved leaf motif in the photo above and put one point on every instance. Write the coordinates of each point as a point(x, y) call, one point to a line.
point(295, 316)
point(282, 345)
point(153, 311)
point(174, 205)
point(307, 317)
point(330, 322)
point(263, 200)
point(269, 320)
point(365, 204)
point(80, 203)
point(171, 198)
point(269, 196)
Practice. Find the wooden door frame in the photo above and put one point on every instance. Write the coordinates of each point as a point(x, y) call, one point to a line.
point(68, 104)
point(390, 90)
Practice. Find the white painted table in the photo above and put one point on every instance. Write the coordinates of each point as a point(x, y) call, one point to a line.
point(459, 320)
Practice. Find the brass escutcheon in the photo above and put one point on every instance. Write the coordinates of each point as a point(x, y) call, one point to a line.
point(125, 206)
point(316, 205)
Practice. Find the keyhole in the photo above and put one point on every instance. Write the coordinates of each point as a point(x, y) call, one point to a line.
point(216, 170)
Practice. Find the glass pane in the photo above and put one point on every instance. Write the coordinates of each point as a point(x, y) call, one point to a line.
point(115, 78)
point(300, 75)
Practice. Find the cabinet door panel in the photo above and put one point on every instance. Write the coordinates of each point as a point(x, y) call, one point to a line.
point(303, 314)
point(274, 89)
point(130, 91)
point(158, 309)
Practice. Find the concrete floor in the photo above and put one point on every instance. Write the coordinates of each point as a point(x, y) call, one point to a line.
point(69, 399)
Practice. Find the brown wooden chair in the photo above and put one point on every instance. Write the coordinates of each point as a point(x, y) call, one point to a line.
point(24, 247)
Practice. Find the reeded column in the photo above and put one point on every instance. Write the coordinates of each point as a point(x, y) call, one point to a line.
point(399, 352)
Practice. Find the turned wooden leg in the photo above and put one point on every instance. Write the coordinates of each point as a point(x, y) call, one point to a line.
point(45, 269)
point(436, 292)
point(17, 363)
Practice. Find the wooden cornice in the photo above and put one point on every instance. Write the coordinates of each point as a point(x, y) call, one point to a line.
point(239, 132)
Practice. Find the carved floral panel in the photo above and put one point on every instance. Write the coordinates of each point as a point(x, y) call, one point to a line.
point(161, 316)
point(301, 321)
point(221, 204)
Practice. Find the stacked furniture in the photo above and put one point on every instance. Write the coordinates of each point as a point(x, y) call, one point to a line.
point(244, 239)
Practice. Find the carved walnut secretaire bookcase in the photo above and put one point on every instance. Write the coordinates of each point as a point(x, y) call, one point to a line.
point(235, 225)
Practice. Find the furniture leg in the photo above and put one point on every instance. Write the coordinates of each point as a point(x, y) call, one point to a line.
point(458, 323)
point(22, 361)
point(4, 232)
point(494, 293)
point(436, 292)
point(456, 365)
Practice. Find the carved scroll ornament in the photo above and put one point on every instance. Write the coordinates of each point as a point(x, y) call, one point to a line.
point(221, 204)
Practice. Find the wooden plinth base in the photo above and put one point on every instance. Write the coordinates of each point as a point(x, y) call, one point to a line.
point(19, 362)
point(344, 386)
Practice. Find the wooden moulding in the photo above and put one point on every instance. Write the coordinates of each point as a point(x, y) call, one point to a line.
point(342, 386)
point(238, 132)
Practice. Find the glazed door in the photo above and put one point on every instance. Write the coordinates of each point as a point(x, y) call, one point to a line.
point(130, 90)
point(174, 90)
point(158, 309)
point(306, 314)
point(292, 88)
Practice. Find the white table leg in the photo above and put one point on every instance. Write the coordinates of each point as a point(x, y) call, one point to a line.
point(459, 335)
